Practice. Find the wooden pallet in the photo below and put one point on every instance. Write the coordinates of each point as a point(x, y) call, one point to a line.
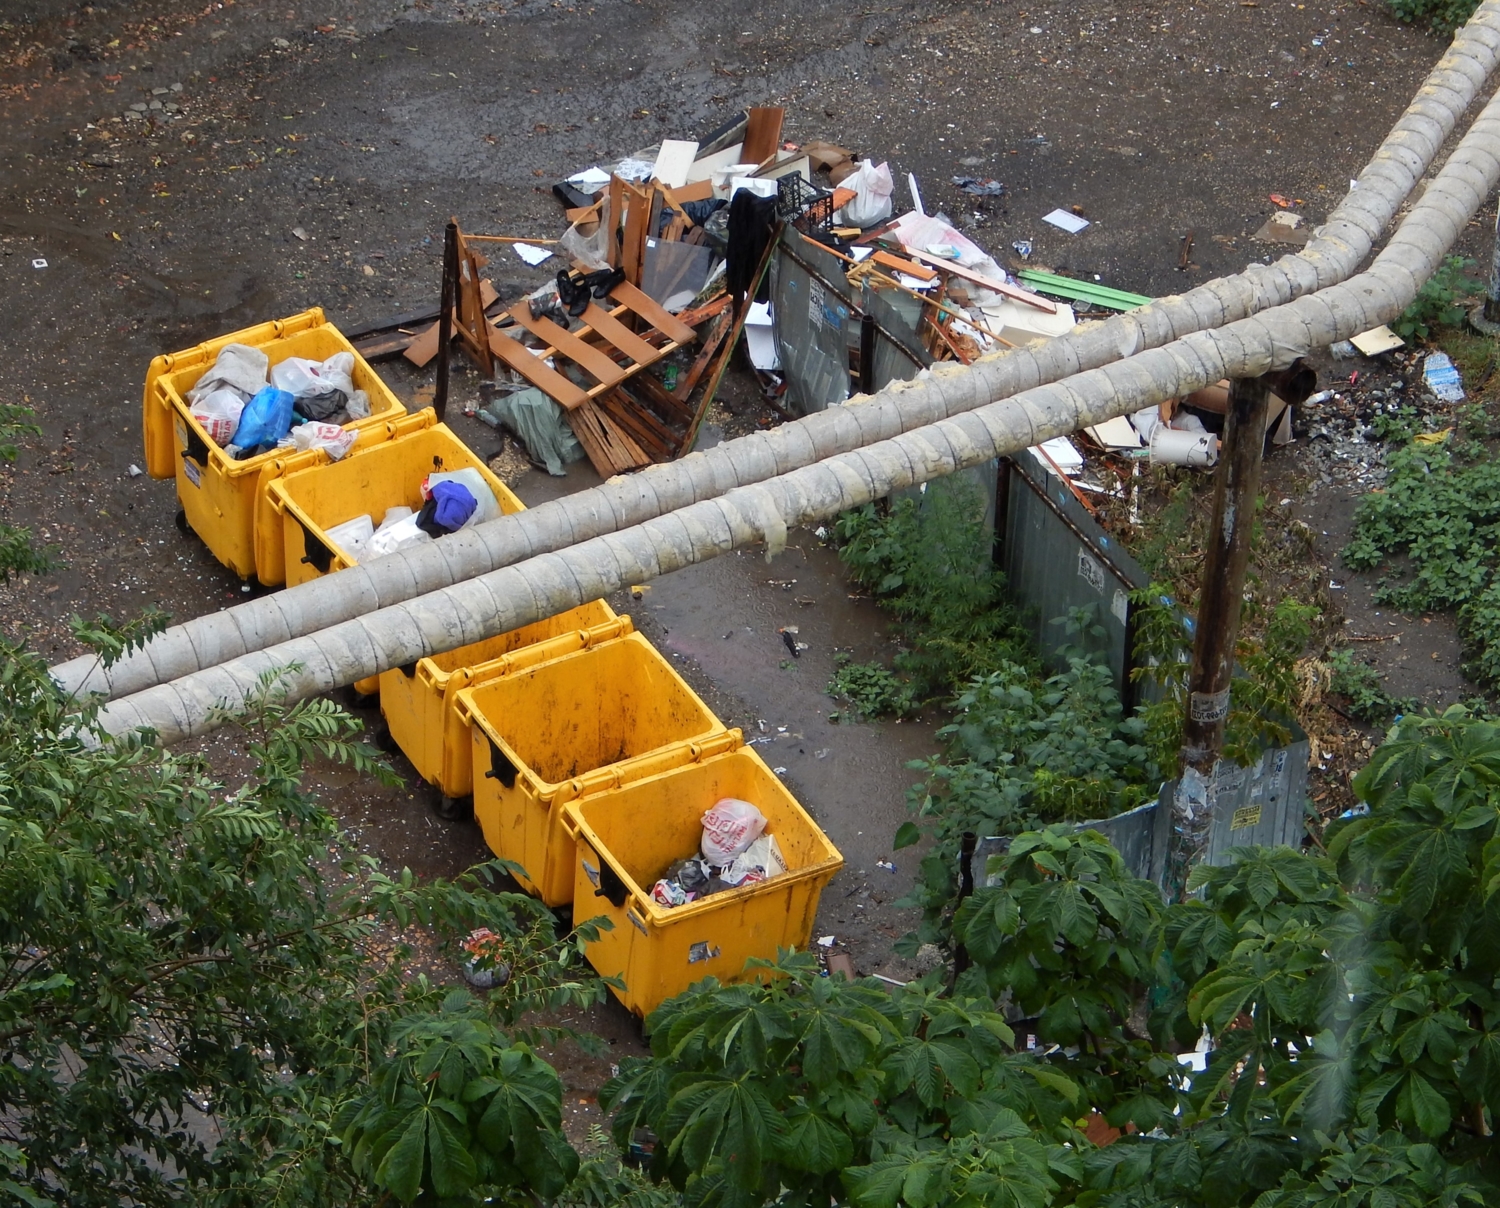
point(610, 449)
point(605, 348)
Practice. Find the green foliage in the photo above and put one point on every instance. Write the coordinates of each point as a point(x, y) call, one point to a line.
point(1440, 300)
point(1022, 751)
point(191, 985)
point(17, 554)
point(1263, 696)
point(1364, 694)
point(1443, 16)
point(456, 1107)
point(870, 689)
point(1441, 510)
point(929, 563)
point(809, 1088)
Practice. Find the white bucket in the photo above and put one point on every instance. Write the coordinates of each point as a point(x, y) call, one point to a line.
point(1171, 447)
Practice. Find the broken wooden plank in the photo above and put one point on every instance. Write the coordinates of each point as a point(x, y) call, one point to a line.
point(592, 359)
point(616, 333)
point(910, 267)
point(718, 326)
point(999, 287)
point(653, 436)
point(423, 346)
point(669, 406)
point(554, 385)
point(610, 450)
point(696, 317)
point(628, 295)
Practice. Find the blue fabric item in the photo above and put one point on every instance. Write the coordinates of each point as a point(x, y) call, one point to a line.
point(266, 419)
point(448, 508)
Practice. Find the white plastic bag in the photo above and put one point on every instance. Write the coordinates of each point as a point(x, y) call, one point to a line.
point(761, 861)
point(312, 435)
point(488, 506)
point(219, 413)
point(352, 536)
point(320, 388)
point(729, 828)
point(872, 187)
point(395, 534)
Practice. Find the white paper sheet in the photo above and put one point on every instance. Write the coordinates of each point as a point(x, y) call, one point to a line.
point(1067, 220)
point(532, 254)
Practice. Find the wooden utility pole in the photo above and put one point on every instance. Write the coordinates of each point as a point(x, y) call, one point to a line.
point(1225, 562)
point(448, 298)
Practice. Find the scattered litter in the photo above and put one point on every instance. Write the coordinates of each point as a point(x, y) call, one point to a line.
point(674, 161)
point(760, 337)
point(134, 470)
point(1432, 438)
point(300, 233)
point(1067, 220)
point(590, 179)
point(779, 771)
point(1022, 248)
point(1286, 203)
point(38, 263)
point(1174, 447)
point(1442, 377)
point(1117, 433)
point(532, 254)
point(1377, 340)
point(637, 590)
point(1283, 227)
point(916, 194)
point(976, 187)
point(1059, 454)
point(822, 753)
point(887, 865)
point(826, 941)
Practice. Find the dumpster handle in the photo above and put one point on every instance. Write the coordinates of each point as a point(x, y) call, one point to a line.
point(501, 768)
point(318, 555)
point(195, 447)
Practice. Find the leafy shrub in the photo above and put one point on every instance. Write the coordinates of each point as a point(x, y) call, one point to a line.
point(1359, 684)
point(1441, 509)
point(930, 564)
point(870, 689)
point(1442, 15)
point(1439, 301)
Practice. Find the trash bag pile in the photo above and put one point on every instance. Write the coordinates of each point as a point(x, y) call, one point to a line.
point(248, 406)
point(450, 501)
point(735, 851)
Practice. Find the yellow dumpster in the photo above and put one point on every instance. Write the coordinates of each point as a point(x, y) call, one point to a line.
point(418, 701)
point(659, 951)
point(573, 725)
point(365, 483)
point(219, 495)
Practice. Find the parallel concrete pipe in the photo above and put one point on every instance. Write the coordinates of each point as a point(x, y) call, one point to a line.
point(1335, 252)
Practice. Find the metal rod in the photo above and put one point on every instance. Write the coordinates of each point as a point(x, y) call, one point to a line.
point(445, 317)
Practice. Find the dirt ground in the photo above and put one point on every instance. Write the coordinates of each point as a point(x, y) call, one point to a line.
point(363, 124)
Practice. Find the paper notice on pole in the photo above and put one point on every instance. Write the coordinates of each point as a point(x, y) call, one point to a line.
point(1067, 220)
point(532, 254)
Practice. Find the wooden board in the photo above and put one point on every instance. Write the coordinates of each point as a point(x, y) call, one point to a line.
point(668, 324)
point(762, 135)
point(534, 369)
point(698, 190)
point(616, 333)
point(718, 328)
point(592, 359)
point(648, 432)
point(611, 450)
point(910, 267)
point(999, 287)
point(423, 346)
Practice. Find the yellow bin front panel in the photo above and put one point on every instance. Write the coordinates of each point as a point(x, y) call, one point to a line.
point(365, 483)
point(659, 951)
point(220, 496)
point(419, 701)
point(560, 729)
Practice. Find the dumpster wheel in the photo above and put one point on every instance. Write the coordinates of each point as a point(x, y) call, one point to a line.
point(181, 520)
point(451, 809)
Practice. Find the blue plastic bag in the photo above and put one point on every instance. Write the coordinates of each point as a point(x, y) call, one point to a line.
point(265, 420)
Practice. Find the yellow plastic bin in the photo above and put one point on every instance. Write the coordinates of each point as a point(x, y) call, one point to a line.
point(573, 725)
point(659, 951)
point(366, 482)
point(219, 495)
point(418, 701)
